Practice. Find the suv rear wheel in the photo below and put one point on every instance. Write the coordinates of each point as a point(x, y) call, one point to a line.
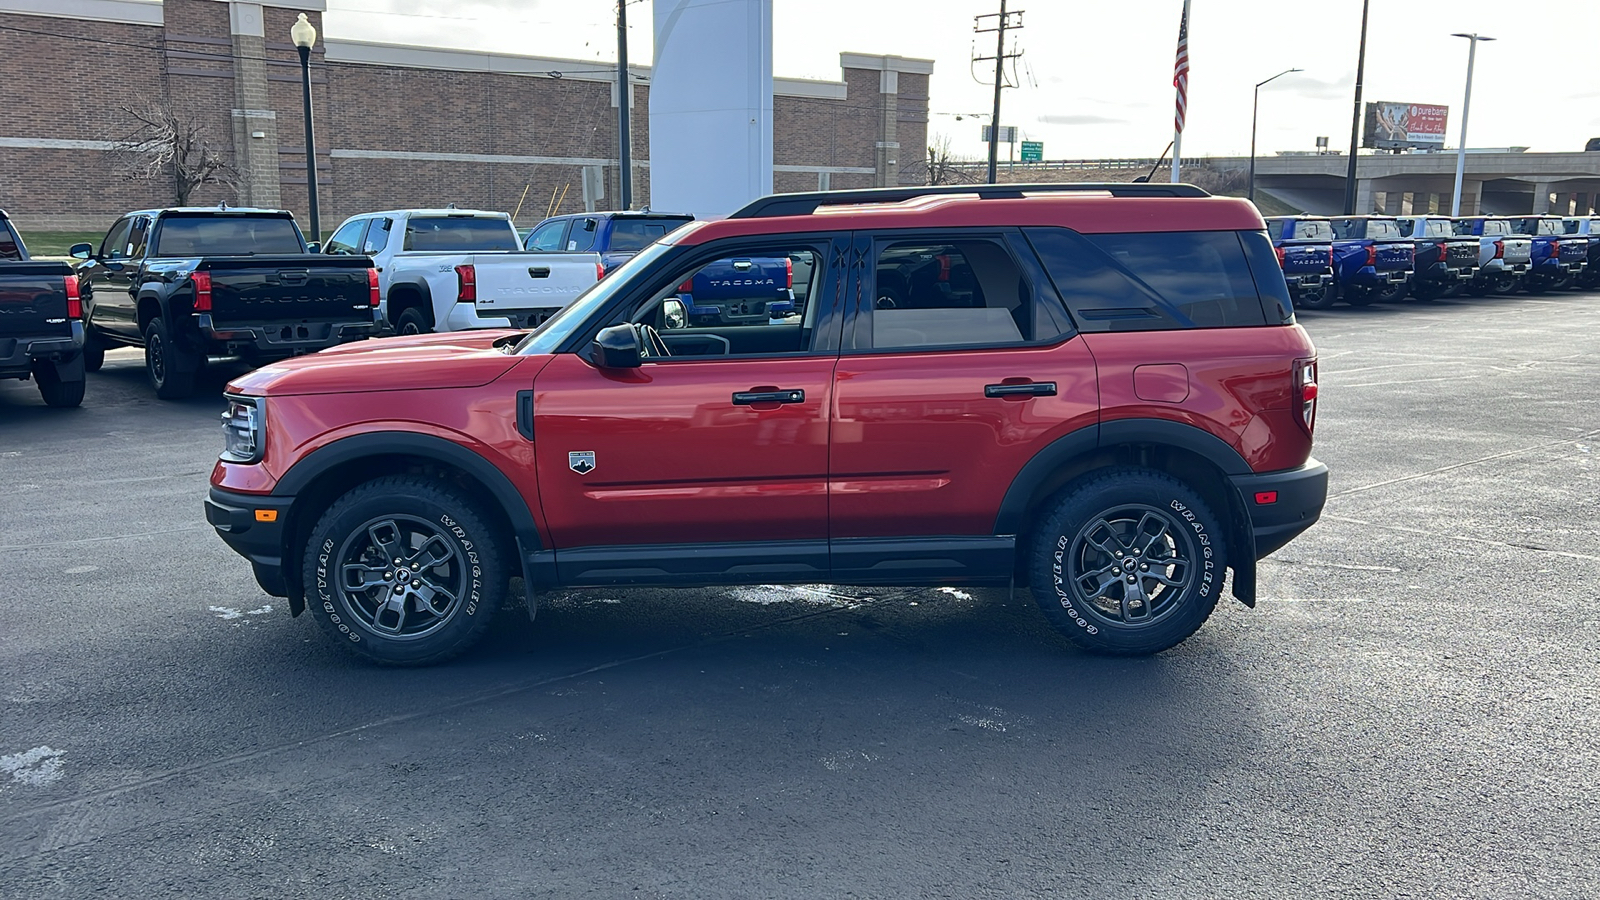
point(1128, 562)
point(404, 570)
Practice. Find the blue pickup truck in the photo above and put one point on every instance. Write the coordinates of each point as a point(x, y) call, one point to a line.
point(1304, 245)
point(1556, 260)
point(1372, 259)
point(616, 236)
point(1587, 230)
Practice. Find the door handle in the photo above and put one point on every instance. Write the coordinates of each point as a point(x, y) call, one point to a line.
point(1026, 389)
point(539, 271)
point(747, 398)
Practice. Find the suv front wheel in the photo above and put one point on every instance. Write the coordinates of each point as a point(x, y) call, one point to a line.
point(404, 570)
point(1128, 562)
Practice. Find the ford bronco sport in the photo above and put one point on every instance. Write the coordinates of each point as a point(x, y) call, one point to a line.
point(1095, 391)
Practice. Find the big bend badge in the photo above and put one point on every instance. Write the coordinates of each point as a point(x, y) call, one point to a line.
point(581, 461)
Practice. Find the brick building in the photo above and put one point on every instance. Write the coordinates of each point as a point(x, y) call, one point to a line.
point(396, 126)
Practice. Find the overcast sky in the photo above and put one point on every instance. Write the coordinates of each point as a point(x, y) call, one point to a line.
point(1096, 75)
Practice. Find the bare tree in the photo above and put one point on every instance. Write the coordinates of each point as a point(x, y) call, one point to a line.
point(944, 166)
point(165, 144)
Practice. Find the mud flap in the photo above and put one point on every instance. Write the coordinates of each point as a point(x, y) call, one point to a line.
point(1242, 544)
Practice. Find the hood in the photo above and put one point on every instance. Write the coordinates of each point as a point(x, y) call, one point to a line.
point(413, 362)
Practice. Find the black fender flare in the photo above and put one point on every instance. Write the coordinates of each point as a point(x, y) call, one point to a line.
point(427, 446)
point(1090, 438)
point(421, 287)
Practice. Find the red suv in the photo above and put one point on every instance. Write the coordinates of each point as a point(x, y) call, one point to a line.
point(1096, 391)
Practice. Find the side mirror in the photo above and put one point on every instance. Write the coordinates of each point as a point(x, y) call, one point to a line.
point(617, 347)
point(673, 314)
point(314, 247)
point(81, 251)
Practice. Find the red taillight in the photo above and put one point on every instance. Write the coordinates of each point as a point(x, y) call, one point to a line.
point(599, 271)
point(1372, 254)
point(788, 265)
point(202, 291)
point(466, 284)
point(1281, 255)
point(372, 287)
point(74, 299)
point(1330, 256)
point(1555, 247)
point(1499, 249)
point(687, 287)
point(1305, 392)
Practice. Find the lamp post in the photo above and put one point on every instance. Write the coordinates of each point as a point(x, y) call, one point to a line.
point(1254, 106)
point(304, 35)
point(1466, 106)
point(1355, 117)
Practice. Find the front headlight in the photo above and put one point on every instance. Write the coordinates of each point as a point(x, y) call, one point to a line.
point(243, 429)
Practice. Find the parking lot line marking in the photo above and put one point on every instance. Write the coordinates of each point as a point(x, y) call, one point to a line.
point(1471, 462)
point(1411, 381)
point(1461, 537)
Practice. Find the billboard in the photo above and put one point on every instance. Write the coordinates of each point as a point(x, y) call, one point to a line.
point(1404, 126)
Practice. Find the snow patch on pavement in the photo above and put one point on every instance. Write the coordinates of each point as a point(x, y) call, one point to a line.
point(35, 768)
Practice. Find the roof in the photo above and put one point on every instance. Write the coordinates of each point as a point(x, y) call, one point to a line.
point(447, 211)
point(624, 214)
point(1093, 211)
point(209, 209)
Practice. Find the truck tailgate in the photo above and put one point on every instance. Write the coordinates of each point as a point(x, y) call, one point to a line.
point(1516, 250)
point(1459, 254)
point(33, 301)
point(515, 281)
point(309, 288)
point(1394, 256)
point(1306, 259)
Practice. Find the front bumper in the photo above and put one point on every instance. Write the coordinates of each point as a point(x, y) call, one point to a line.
point(240, 520)
point(280, 339)
point(1283, 504)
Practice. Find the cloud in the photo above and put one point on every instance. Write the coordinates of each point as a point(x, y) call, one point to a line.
point(1081, 120)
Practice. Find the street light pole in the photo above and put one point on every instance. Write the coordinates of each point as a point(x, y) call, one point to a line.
point(304, 35)
point(1254, 106)
point(1466, 106)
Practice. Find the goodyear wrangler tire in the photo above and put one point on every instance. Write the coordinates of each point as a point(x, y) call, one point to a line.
point(1128, 562)
point(405, 571)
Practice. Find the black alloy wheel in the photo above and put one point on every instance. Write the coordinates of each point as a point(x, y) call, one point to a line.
point(1129, 562)
point(404, 570)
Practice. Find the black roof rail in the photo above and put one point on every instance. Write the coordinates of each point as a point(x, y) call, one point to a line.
point(806, 203)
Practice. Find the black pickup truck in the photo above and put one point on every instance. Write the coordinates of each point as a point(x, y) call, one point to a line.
point(41, 322)
point(188, 284)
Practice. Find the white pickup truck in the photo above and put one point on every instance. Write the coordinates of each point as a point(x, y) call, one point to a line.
point(455, 269)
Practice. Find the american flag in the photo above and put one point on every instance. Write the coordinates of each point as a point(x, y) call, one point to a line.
point(1180, 70)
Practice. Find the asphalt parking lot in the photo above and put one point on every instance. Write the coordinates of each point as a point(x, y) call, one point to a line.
point(1410, 712)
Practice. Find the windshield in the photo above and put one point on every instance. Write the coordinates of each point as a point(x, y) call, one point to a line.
point(460, 234)
point(547, 337)
point(227, 235)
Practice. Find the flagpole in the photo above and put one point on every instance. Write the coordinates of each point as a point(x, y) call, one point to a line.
point(1180, 81)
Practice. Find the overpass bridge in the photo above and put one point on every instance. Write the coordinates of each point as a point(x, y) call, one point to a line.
point(1499, 183)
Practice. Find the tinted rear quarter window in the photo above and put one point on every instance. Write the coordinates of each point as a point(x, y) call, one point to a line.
point(1157, 281)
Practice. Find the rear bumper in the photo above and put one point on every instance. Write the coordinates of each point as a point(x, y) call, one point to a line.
point(1311, 281)
point(280, 338)
point(466, 317)
point(18, 354)
point(1446, 273)
point(1368, 276)
point(1283, 504)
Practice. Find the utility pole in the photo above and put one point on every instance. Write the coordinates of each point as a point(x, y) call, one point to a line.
point(1003, 21)
point(1355, 119)
point(624, 139)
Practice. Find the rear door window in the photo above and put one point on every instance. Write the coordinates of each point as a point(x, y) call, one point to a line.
point(1153, 282)
point(954, 291)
